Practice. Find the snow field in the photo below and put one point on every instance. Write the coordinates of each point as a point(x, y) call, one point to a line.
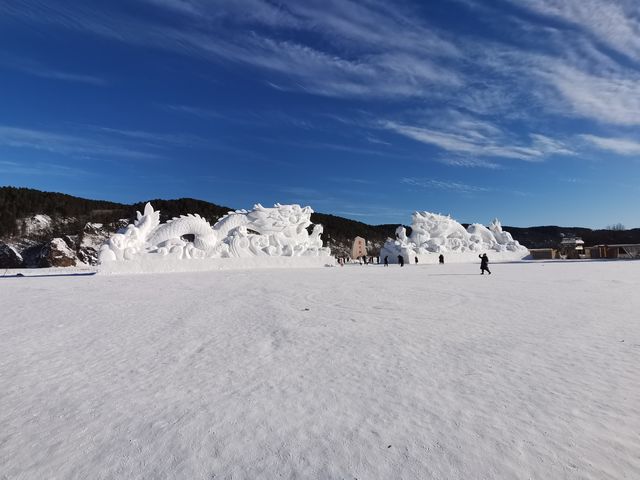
point(428, 371)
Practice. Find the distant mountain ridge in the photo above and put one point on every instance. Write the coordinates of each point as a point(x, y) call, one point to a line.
point(31, 219)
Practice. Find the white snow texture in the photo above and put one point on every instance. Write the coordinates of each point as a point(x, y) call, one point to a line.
point(368, 372)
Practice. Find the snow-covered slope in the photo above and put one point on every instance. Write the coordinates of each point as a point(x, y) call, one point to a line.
point(357, 372)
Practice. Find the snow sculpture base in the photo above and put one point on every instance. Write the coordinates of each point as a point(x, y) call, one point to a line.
point(262, 237)
point(434, 235)
point(212, 264)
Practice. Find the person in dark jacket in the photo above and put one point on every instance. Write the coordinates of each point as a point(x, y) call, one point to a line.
point(386, 261)
point(484, 264)
point(401, 260)
point(441, 259)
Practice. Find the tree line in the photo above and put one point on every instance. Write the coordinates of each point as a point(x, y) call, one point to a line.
point(18, 203)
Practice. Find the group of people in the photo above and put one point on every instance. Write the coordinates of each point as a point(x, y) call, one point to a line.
point(401, 260)
point(364, 260)
point(484, 261)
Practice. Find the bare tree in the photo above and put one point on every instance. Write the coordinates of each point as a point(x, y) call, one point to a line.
point(618, 227)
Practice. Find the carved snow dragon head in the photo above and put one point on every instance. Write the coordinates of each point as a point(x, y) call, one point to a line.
point(291, 219)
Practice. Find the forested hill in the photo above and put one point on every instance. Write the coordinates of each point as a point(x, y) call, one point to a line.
point(550, 236)
point(20, 203)
point(181, 206)
point(341, 231)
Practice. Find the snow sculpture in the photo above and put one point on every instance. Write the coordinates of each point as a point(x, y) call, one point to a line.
point(277, 231)
point(434, 233)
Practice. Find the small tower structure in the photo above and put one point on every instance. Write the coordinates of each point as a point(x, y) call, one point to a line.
point(359, 248)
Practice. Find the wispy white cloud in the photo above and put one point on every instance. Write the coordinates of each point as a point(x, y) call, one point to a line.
point(610, 97)
point(622, 146)
point(457, 187)
point(470, 162)
point(181, 6)
point(351, 180)
point(302, 192)
point(251, 117)
point(380, 75)
point(99, 142)
point(77, 146)
point(329, 146)
point(574, 180)
point(365, 211)
point(430, 183)
point(380, 50)
point(154, 139)
point(545, 145)
point(614, 23)
point(388, 54)
point(360, 26)
point(376, 141)
point(38, 69)
point(40, 169)
point(68, 77)
point(573, 73)
point(196, 111)
point(472, 137)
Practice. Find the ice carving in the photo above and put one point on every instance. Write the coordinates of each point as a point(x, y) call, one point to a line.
point(435, 233)
point(278, 231)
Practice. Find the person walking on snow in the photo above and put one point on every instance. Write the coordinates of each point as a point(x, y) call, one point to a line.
point(484, 264)
point(401, 260)
point(386, 261)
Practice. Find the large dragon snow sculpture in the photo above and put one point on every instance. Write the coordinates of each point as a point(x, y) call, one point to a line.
point(278, 231)
point(434, 233)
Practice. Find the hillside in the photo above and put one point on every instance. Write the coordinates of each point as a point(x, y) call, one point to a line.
point(18, 204)
point(31, 219)
point(48, 228)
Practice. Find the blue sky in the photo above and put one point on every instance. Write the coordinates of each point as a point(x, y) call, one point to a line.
point(528, 110)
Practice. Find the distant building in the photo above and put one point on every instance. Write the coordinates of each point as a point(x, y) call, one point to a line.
point(542, 253)
point(359, 248)
point(622, 251)
point(571, 247)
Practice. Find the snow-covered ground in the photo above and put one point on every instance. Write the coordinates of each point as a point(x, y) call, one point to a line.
point(333, 373)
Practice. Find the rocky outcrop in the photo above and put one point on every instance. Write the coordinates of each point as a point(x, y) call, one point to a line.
point(9, 257)
point(57, 253)
point(41, 250)
point(93, 236)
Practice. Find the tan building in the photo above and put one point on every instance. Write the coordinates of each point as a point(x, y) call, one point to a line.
point(359, 248)
point(627, 251)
